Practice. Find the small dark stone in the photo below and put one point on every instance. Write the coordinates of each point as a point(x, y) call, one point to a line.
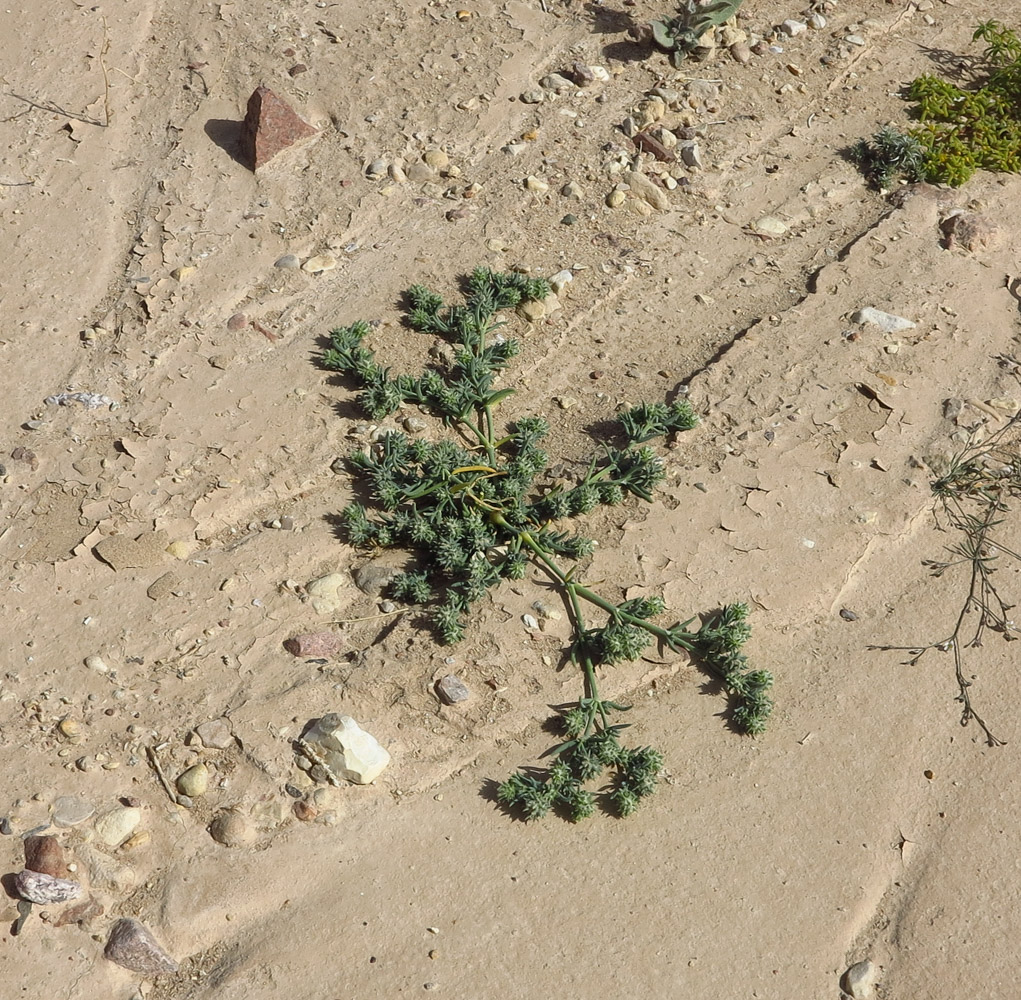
point(452, 689)
point(848, 615)
point(569, 220)
point(5, 826)
point(297, 69)
point(293, 791)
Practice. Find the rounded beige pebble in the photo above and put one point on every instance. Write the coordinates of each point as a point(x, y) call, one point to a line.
point(319, 263)
point(615, 198)
point(536, 184)
point(436, 159)
point(97, 663)
point(231, 829)
point(114, 827)
point(194, 782)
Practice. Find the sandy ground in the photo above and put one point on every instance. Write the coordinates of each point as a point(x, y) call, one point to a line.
point(865, 823)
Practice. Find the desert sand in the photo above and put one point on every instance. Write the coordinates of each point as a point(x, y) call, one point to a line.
point(139, 265)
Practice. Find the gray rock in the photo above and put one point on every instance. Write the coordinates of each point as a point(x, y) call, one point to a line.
point(373, 579)
point(691, 154)
point(70, 810)
point(791, 27)
point(769, 225)
point(452, 689)
point(215, 734)
point(557, 83)
point(39, 888)
point(422, 173)
point(132, 946)
point(886, 322)
point(532, 97)
point(854, 40)
point(288, 260)
point(860, 980)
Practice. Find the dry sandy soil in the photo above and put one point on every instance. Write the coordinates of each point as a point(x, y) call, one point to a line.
point(866, 823)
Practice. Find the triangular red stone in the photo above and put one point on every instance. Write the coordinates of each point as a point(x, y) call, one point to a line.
point(269, 126)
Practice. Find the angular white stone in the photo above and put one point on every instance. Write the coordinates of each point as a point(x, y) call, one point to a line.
point(886, 322)
point(114, 827)
point(348, 750)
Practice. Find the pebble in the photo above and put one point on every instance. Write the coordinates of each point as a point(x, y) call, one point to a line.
point(615, 198)
point(414, 425)
point(288, 260)
point(194, 781)
point(848, 615)
point(304, 811)
point(452, 689)
point(886, 322)
point(769, 225)
point(232, 829)
point(397, 174)
point(691, 154)
point(45, 855)
point(559, 281)
point(5, 826)
point(532, 310)
point(373, 579)
point(529, 621)
point(131, 945)
point(37, 887)
point(860, 980)
point(650, 193)
point(376, 169)
point(558, 84)
point(740, 53)
point(569, 220)
point(854, 39)
point(582, 75)
point(536, 184)
point(532, 97)
point(422, 173)
point(319, 263)
point(571, 190)
point(114, 827)
point(70, 810)
point(791, 27)
point(237, 322)
point(348, 750)
point(817, 21)
point(649, 111)
point(436, 159)
point(215, 734)
point(318, 645)
point(329, 593)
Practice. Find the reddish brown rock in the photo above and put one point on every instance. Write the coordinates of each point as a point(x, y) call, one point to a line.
point(315, 644)
point(270, 125)
point(44, 854)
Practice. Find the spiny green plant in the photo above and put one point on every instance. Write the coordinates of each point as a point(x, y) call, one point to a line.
point(477, 507)
point(959, 131)
point(680, 35)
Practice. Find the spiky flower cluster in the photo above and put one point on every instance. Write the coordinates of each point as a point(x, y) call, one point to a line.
point(718, 642)
point(480, 509)
point(635, 771)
